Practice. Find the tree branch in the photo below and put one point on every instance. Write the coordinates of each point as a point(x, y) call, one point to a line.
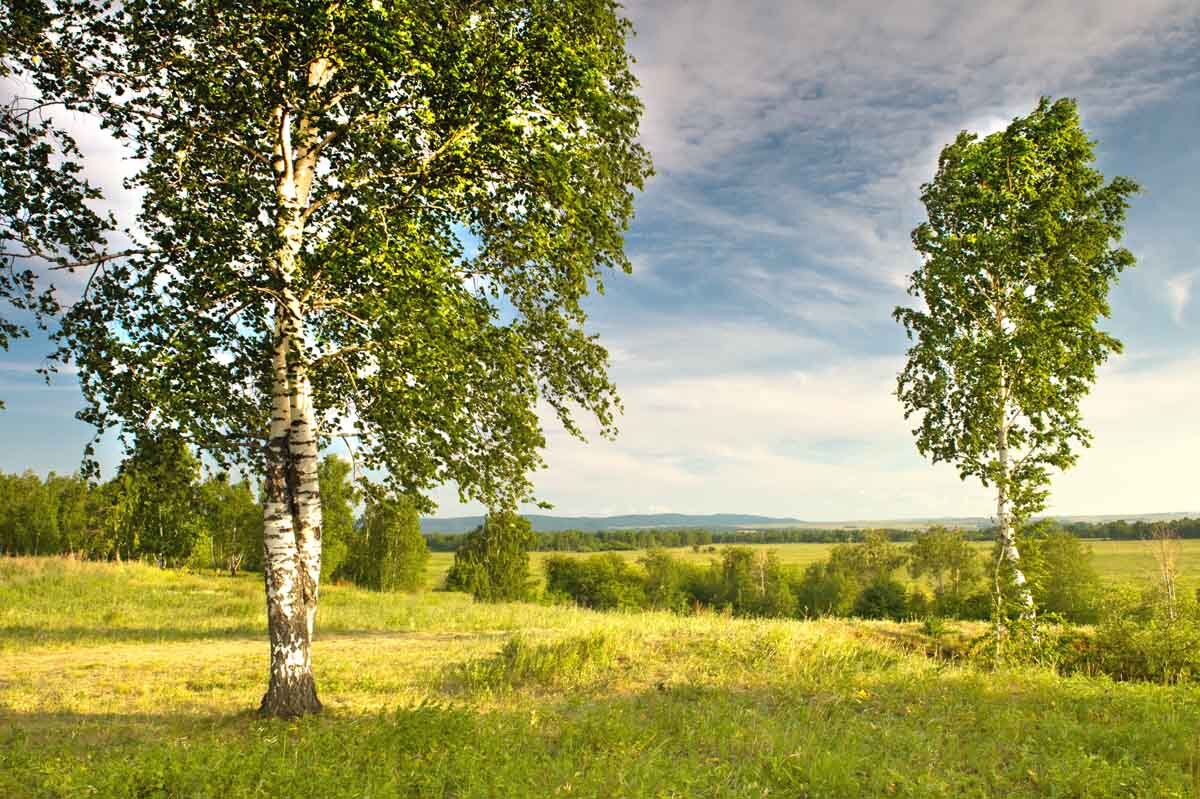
point(420, 170)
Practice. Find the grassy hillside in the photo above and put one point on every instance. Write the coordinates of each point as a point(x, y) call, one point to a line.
point(129, 681)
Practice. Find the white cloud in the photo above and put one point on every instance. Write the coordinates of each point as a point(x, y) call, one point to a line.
point(832, 444)
point(1179, 294)
point(720, 76)
point(807, 128)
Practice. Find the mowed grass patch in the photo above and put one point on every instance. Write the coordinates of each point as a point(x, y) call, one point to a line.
point(564, 702)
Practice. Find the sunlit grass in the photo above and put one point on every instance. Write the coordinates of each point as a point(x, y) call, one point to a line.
point(131, 681)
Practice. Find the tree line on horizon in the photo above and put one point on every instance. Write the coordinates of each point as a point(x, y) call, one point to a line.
point(159, 507)
point(671, 538)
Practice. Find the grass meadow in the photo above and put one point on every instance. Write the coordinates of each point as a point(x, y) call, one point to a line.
point(129, 681)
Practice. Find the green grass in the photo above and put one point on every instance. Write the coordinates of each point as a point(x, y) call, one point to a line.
point(127, 681)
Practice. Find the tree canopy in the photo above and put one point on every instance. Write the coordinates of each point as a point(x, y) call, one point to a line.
point(1018, 253)
point(465, 173)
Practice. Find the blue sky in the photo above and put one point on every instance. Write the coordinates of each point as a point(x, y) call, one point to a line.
point(753, 345)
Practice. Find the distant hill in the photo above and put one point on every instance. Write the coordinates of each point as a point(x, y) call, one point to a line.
point(722, 521)
point(547, 524)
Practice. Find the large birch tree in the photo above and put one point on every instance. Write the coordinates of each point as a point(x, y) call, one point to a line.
point(1019, 251)
point(374, 219)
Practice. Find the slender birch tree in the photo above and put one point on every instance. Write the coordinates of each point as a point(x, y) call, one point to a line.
point(1019, 251)
point(374, 219)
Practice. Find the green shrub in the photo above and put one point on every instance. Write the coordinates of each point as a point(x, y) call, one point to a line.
point(668, 581)
point(1060, 572)
point(882, 599)
point(976, 606)
point(934, 626)
point(492, 564)
point(604, 582)
point(1140, 636)
point(389, 553)
point(917, 604)
point(824, 591)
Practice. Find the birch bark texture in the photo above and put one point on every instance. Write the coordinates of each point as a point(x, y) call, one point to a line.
point(369, 219)
point(1018, 253)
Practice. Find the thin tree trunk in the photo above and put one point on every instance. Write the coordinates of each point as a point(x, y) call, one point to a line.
point(1004, 519)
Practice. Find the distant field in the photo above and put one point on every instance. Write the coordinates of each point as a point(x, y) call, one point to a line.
point(1116, 561)
point(127, 681)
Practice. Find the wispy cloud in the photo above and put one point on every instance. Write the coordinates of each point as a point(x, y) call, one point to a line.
point(1179, 294)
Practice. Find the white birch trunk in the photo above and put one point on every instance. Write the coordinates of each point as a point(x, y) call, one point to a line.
point(293, 508)
point(1004, 516)
point(291, 592)
point(303, 443)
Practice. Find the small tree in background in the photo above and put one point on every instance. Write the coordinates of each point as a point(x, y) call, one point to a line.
point(338, 498)
point(873, 559)
point(665, 580)
point(71, 496)
point(493, 562)
point(1018, 254)
point(393, 554)
point(233, 525)
point(884, 598)
point(159, 481)
point(755, 584)
point(825, 590)
point(1166, 549)
point(950, 561)
point(29, 524)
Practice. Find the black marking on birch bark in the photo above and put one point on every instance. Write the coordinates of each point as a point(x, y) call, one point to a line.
point(292, 690)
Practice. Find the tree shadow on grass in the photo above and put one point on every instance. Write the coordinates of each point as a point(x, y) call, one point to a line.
point(13, 638)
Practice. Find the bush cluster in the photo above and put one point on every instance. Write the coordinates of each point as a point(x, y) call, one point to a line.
point(1140, 635)
point(859, 579)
